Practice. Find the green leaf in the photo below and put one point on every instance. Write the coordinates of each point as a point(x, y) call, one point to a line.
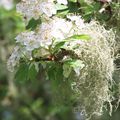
point(33, 24)
point(79, 37)
point(73, 1)
point(60, 7)
point(22, 73)
point(32, 72)
point(60, 87)
point(55, 74)
point(58, 45)
point(66, 70)
point(76, 65)
point(62, 13)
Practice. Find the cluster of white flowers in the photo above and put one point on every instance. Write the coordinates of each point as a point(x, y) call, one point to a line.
point(29, 40)
point(55, 29)
point(18, 53)
point(36, 8)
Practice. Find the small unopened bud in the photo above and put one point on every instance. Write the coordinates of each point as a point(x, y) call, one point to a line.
point(101, 10)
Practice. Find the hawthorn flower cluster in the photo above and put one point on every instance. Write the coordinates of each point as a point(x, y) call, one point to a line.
point(53, 29)
point(57, 29)
point(36, 8)
point(50, 31)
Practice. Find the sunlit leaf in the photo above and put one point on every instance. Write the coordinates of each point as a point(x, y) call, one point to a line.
point(79, 37)
point(60, 7)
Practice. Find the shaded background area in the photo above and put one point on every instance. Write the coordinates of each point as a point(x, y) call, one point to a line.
point(33, 100)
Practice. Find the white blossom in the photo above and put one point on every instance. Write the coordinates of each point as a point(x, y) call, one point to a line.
point(29, 9)
point(65, 2)
point(58, 28)
point(61, 28)
point(78, 20)
point(35, 8)
point(14, 59)
point(44, 34)
point(48, 8)
point(29, 40)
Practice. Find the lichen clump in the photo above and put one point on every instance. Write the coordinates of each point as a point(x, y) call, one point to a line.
point(94, 83)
